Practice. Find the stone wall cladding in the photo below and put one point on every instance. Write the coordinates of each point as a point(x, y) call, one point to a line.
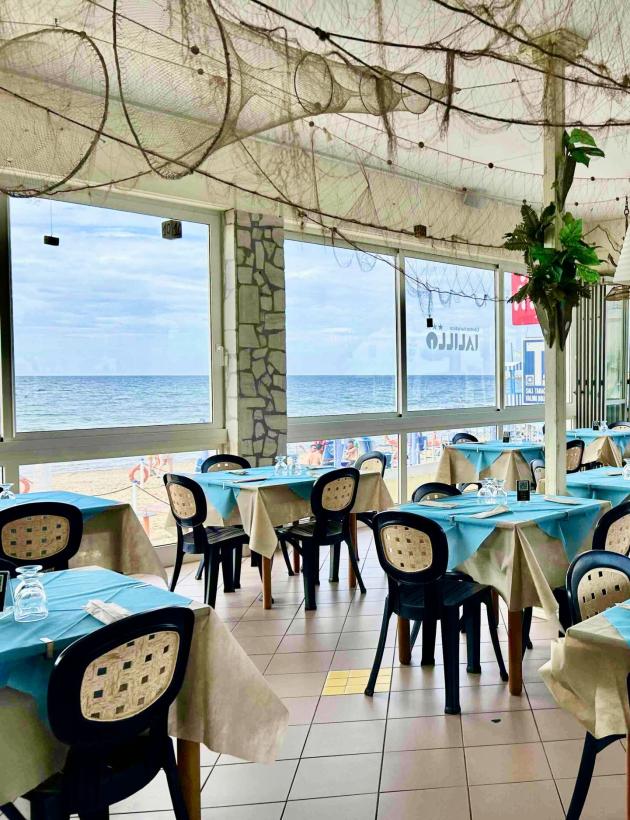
point(255, 337)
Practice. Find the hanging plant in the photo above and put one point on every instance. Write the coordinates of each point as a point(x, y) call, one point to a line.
point(559, 274)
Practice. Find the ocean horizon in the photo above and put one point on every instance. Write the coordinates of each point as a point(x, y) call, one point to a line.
point(46, 403)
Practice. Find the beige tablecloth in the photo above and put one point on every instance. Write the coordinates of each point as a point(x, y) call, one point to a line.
point(115, 539)
point(605, 450)
point(454, 468)
point(587, 676)
point(524, 564)
point(260, 509)
point(224, 703)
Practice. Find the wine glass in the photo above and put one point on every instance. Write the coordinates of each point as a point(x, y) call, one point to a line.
point(484, 493)
point(292, 465)
point(5, 492)
point(499, 492)
point(30, 600)
point(280, 467)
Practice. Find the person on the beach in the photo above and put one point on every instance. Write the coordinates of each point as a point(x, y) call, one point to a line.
point(314, 457)
point(351, 453)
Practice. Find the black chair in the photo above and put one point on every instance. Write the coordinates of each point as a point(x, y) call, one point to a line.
point(47, 533)
point(462, 438)
point(466, 486)
point(596, 580)
point(372, 462)
point(108, 700)
point(413, 552)
point(613, 530)
point(434, 490)
point(575, 455)
point(624, 425)
point(332, 499)
point(537, 468)
point(218, 545)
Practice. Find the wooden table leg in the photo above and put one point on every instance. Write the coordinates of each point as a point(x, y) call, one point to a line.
point(352, 580)
point(515, 650)
point(266, 582)
point(190, 776)
point(404, 641)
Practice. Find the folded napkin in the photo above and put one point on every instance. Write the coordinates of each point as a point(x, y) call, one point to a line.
point(500, 510)
point(563, 500)
point(441, 504)
point(105, 613)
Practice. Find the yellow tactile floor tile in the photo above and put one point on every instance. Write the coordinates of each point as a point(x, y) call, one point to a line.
point(354, 681)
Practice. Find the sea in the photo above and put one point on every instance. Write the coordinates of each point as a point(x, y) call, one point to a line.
point(45, 403)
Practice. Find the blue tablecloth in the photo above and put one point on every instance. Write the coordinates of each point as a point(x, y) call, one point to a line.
point(619, 617)
point(621, 438)
point(605, 483)
point(465, 534)
point(90, 505)
point(23, 662)
point(483, 454)
point(222, 488)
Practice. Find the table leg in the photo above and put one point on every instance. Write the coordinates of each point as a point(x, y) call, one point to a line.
point(266, 582)
point(352, 581)
point(190, 776)
point(495, 606)
point(296, 561)
point(404, 641)
point(628, 777)
point(515, 650)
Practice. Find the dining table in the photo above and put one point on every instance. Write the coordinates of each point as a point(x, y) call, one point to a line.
point(605, 483)
point(608, 447)
point(472, 461)
point(113, 537)
point(587, 675)
point(224, 704)
point(522, 549)
point(260, 499)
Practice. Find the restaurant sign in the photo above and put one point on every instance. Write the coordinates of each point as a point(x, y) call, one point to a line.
point(533, 371)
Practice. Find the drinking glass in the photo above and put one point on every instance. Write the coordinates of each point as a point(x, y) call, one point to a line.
point(626, 469)
point(280, 467)
point(292, 465)
point(484, 494)
point(499, 491)
point(5, 492)
point(29, 600)
point(603, 425)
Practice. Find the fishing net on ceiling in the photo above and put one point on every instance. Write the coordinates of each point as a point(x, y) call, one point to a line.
point(420, 118)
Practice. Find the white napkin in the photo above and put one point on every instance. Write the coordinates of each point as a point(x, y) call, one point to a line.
point(490, 513)
point(563, 500)
point(105, 613)
point(443, 504)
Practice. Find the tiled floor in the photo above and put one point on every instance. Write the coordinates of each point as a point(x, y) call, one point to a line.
point(395, 756)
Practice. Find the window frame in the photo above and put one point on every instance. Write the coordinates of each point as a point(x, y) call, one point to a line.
point(22, 448)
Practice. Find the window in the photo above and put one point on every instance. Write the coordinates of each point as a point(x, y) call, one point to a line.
point(616, 358)
point(136, 481)
point(341, 330)
point(524, 349)
point(450, 338)
point(111, 327)
point(344, 452)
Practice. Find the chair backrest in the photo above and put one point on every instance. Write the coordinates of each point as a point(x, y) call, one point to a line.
point(537, 467)
point(461, 438)
point(433, 490)
point(333, 494)
point(40, 532)
point(225, 461)
point(372, 462)
point(187, 500)
point(119, 681)
point(575, 453)
point(469, 486)
point(596, 580)
point(410, 547)
point(613, 530)
point(619, 425)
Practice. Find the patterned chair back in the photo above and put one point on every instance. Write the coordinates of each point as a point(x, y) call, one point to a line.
point(120, 680)
point(434, 490)
point(372, 462)
point(619, 425)
point(575, 454)
point(187, 500)
point(596, 580)
point(410, 547)
point(613, 530)
point(333, 494)
point(41, 532)
point(226, 461)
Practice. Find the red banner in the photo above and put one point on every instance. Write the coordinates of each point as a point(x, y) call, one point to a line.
point(523, 313)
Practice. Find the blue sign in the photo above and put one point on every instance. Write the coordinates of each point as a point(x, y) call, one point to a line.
point(533, 371)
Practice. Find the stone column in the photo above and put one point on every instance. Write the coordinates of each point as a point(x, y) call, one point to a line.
point(254, 336)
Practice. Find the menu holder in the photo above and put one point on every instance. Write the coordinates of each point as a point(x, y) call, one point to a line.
point(4, 585)
point(523, 490)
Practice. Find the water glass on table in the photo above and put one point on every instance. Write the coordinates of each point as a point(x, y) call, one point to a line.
point(30, 602)
point(5, 492)
point(280, 467)
point(485, 492)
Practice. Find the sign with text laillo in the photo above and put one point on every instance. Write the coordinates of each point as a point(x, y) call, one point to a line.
point(533, 371)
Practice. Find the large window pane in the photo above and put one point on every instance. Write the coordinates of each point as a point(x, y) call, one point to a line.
point(451, 359)
point(111, 327)
point(343, 452)
point(615, 361)
point(341, 331)
point(136, 481)
point(524, 349)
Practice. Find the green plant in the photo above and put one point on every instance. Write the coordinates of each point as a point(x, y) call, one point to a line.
point(559, 275)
